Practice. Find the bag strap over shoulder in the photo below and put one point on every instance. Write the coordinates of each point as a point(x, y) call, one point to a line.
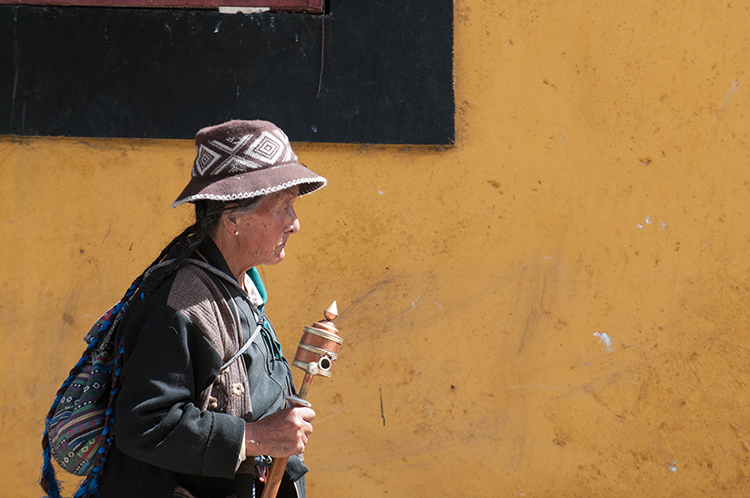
point(225, 278)
point(208, 267)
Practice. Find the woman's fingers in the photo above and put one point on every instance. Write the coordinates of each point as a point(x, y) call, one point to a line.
point(281, 434)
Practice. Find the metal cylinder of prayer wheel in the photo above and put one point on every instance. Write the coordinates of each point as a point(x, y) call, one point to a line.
point(319, 346)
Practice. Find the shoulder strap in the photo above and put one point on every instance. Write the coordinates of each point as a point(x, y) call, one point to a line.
point(226, 278)
point(202, 264)
point(239, 330)
point(243, 348)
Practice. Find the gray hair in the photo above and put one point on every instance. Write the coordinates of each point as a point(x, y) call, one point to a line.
point(208, 213)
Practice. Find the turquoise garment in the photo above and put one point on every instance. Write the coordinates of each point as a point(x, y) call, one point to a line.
point(268, 338)
point(258, 282)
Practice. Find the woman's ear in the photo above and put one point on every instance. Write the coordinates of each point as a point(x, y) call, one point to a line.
point(230, 223)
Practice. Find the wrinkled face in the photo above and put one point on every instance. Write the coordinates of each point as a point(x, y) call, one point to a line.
point(264, 232)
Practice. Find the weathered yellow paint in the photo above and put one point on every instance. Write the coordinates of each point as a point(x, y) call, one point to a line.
point(599, 184)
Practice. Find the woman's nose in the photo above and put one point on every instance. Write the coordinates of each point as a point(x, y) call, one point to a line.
point(294, 225)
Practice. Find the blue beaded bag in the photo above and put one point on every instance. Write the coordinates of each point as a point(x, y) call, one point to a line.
point(80, 424)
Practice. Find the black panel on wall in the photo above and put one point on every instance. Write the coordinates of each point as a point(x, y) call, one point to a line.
point(367, 72)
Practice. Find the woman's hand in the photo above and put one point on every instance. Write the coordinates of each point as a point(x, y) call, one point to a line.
point(280, 434)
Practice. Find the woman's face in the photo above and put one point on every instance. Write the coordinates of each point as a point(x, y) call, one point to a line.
point(264, 232)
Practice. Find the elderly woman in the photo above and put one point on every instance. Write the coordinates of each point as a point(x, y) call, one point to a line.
point(202, 409)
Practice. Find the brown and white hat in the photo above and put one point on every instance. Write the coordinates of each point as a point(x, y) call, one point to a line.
point(242, 159)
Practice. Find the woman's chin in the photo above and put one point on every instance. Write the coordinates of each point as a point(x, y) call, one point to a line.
point(279, 258)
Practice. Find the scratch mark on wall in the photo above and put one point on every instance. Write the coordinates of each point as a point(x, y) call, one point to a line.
point(15, 62)
point(493, 321)
point(740, 436)
point(539, 386)
point(169, 31)
point(389, 292)
point(603, 337)
point(322, 52)
point(540, 300)
point(727, 98)
point(382, 413)
point(737, 430)
point(329, 415)
point(13, 98)
point(730, 93)
point(438, 305)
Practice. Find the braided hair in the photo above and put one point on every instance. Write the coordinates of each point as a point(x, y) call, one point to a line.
point(207, 217)
point(208, 214)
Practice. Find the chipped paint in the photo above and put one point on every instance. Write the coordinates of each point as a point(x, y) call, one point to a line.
point(603, 337)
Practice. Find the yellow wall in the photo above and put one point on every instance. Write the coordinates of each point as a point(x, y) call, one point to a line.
point(599, 185)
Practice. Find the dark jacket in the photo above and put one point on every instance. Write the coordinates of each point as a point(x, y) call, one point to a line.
point(180, 419)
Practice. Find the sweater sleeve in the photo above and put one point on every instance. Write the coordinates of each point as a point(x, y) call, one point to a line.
point(157, 421)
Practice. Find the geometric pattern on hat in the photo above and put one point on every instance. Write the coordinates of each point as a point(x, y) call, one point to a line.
point(238, 155)
point(205, 158)
point(271, 148)
point(241, 159)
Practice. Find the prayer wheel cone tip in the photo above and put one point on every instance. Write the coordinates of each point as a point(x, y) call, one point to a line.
point(331, 312)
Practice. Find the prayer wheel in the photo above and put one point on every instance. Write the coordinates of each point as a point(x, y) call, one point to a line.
point(316, 352)
point(319, 346)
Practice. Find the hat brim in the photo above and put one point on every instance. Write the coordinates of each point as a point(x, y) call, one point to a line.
point(252, 184)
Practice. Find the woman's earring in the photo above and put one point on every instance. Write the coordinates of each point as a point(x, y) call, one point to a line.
point(236, 232)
